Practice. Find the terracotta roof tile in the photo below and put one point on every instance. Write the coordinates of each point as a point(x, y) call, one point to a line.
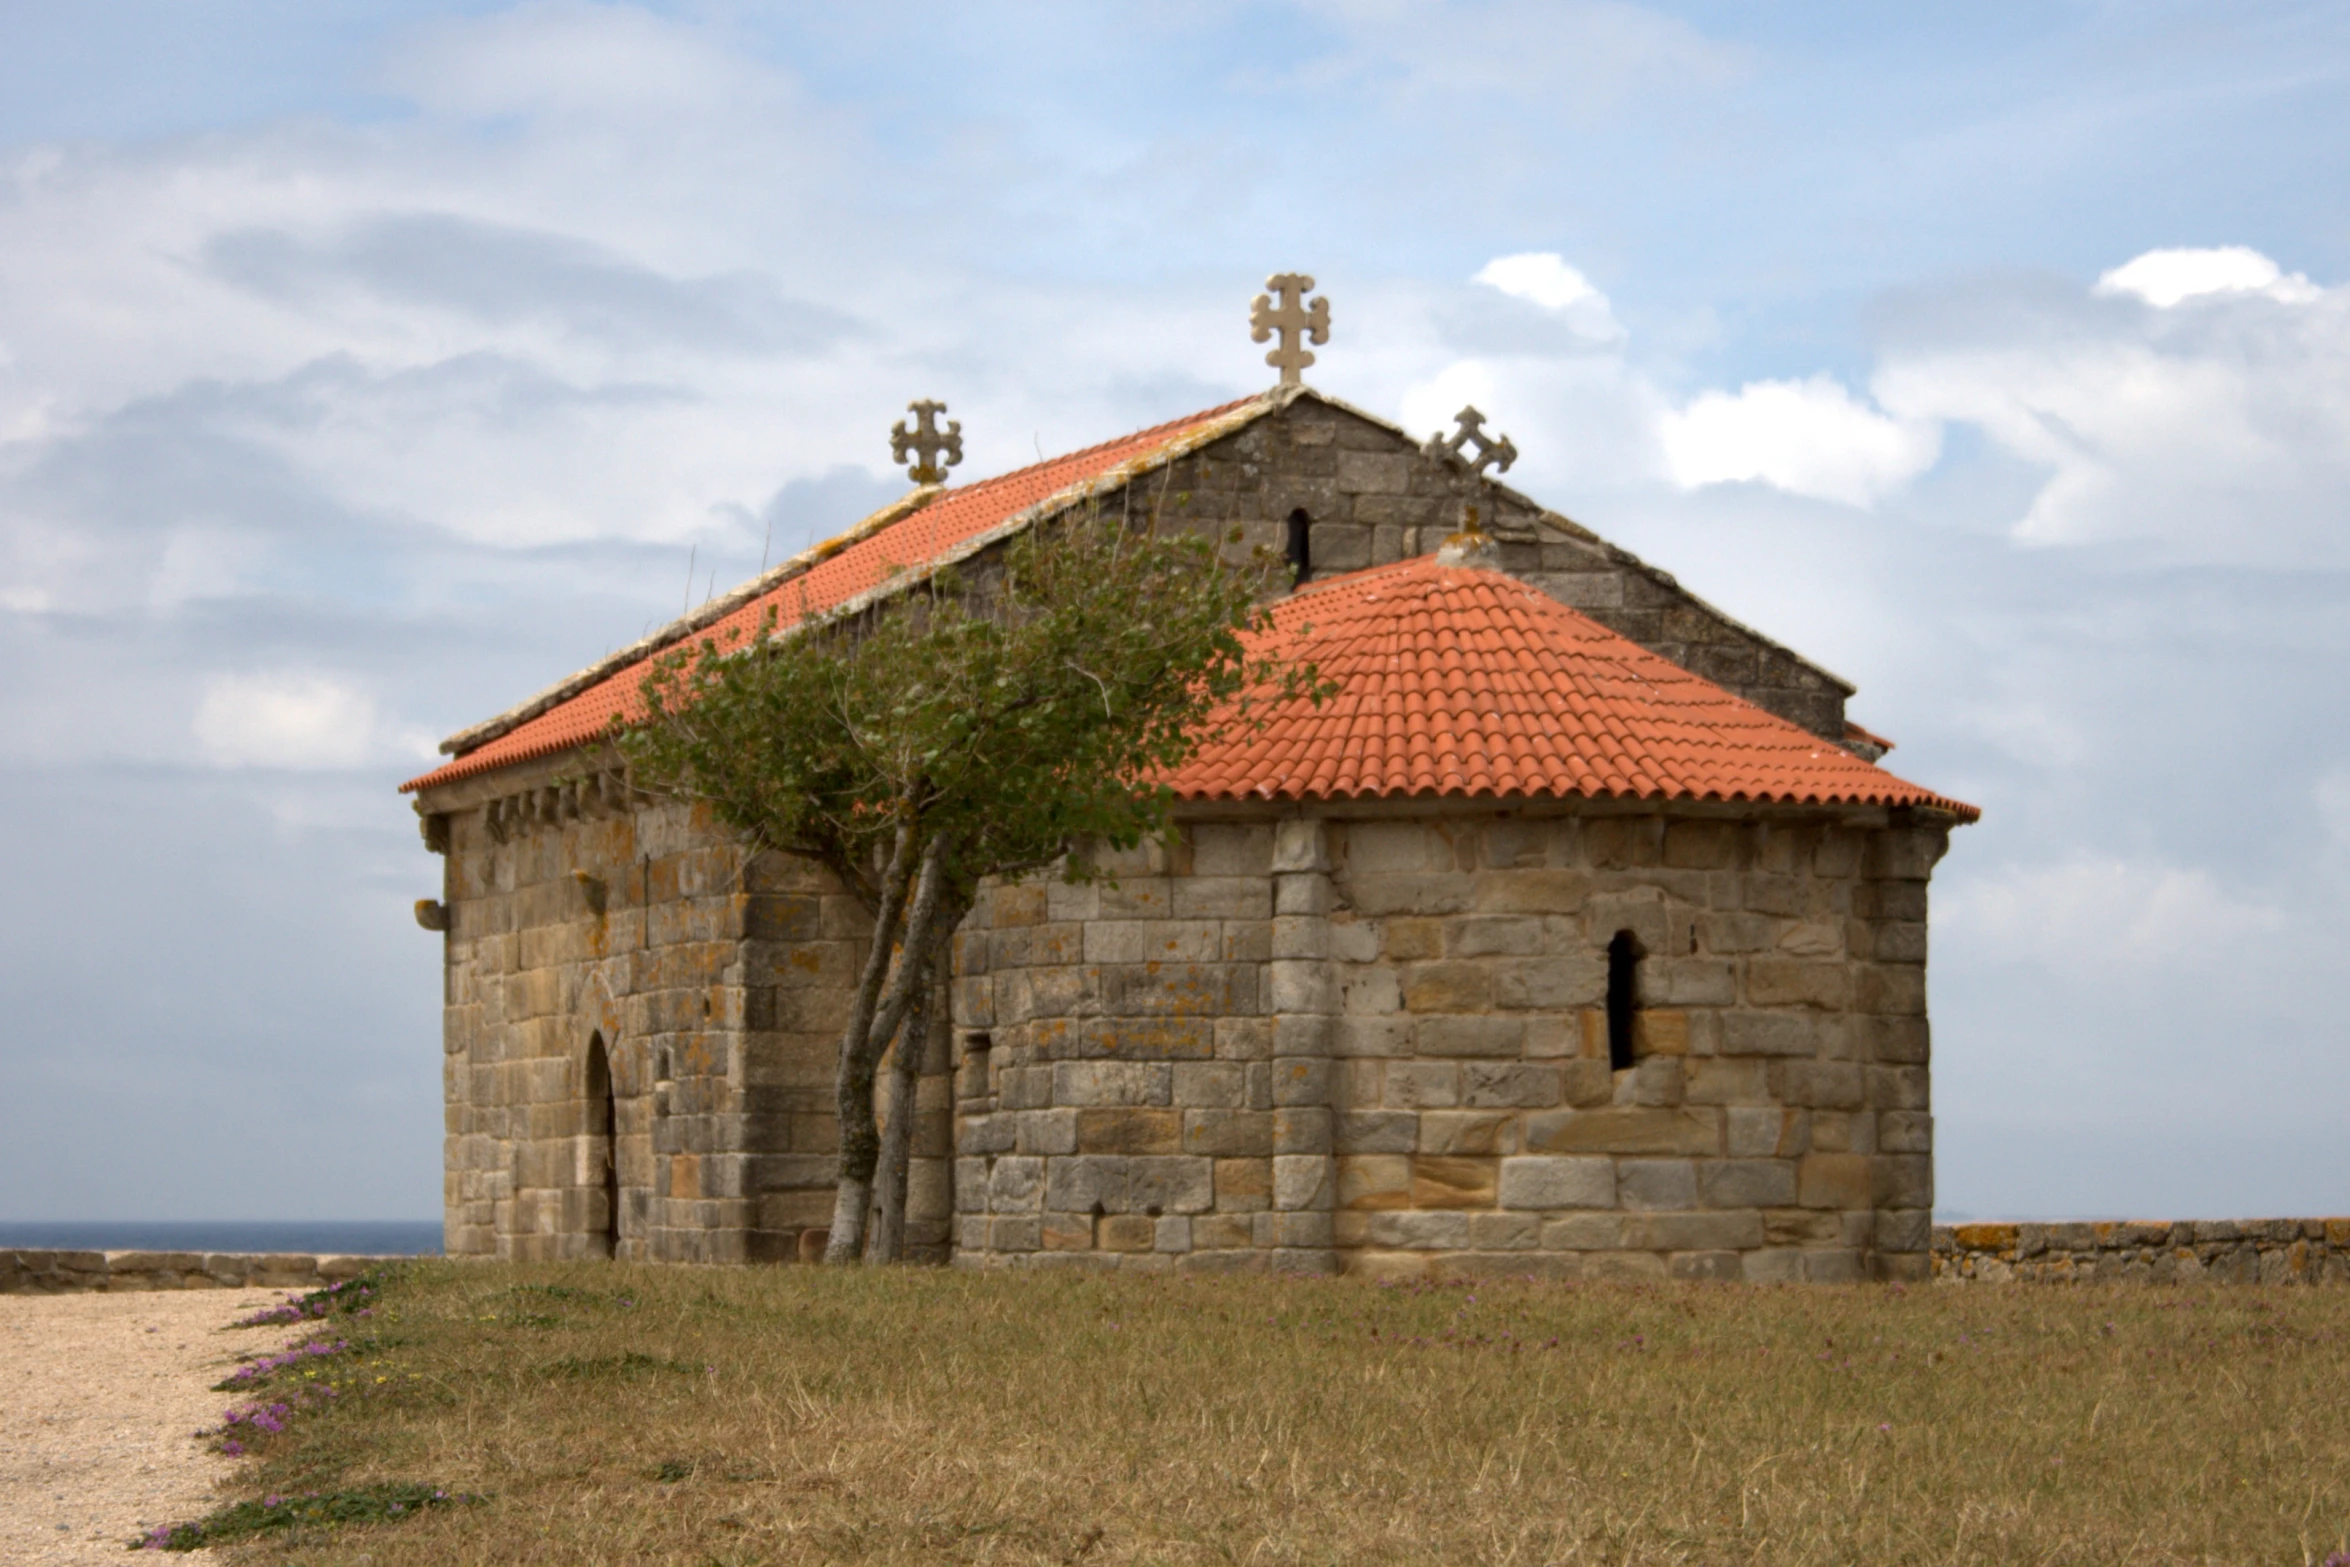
point(1458, 681)
point(955, 518)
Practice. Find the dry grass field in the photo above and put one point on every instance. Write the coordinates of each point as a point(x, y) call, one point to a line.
point(704, 1416)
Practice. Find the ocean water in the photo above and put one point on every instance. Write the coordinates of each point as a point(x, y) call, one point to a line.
point(363, 1237)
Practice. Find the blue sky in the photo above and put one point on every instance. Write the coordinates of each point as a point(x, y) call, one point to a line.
point(363, 367)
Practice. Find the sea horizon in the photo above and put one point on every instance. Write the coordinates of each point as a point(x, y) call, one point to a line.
point(347, 1237)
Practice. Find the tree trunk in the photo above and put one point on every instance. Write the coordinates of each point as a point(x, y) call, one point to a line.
point(860, 1136)
point(897, 1140)
point(852, 1097)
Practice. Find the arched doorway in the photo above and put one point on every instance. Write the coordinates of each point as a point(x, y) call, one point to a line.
point(603, 1151)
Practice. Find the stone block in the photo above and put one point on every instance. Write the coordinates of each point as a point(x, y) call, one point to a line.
point(1218, 1085)
point(1694, 1231)
point(1899, 1088)
point(1130, 1131)
point(1303, 1182)
point(1587, 1083)
point(1898, 989)
point(1221, 1232)
point(1467, 1132)
point(1428, 893)
point(1153, 941)
point(1583, 1232)
point(1125, 1232)
point(1838, 1266)
point(1834, 1180)
point(1223, 898)
point(1015, 1234)
point(1409, 940)
point(1302, 1080)
point(1493, 935)
point(1299, 937)
point(1512, 1232)
point(1747, 1183)
point(1469, 1036)
point(1416, 1085)
point(1507, 1084)
point(1243, 1185)
point(1452, 1181)
point(1448, 986)
point(1626, 1130)
point(1230, 1134)
point(1624, 1267)
point(1656, 1183)
point(1549, 1182)
point(1704, 846)
point(1301, 844)
point(1688, 982)
point(1770, 1034)
point(1902, 1181)
point(1716, 1266)
point(1774, 1266)
point(1375, 1131)
point(1374, 1181)
point(1301, 986)
point(1179, 990)
point(1296, 1035)
point(1162, 1184)
point(1550, 984)
point(1112, 1083)
point(1368, 991)
point(1086, 1183)
point(1727, 1080)
point(1304, 1129)
point(1066, 1232)
point(1824, 1085)
point(1911, 1131)
point(1439, 1231)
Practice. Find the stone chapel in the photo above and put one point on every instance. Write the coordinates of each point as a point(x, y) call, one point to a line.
point(1579, 935)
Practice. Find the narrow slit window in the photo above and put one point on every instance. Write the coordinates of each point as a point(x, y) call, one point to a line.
point(1623, 997)
point(1301, 546)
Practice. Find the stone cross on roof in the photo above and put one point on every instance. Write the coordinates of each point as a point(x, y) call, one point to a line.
point(1297, 323)
point(926, 443)
point(1470, 447)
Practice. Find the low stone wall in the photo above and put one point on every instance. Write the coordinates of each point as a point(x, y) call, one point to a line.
point(2222, 1251)
point(69, 1272)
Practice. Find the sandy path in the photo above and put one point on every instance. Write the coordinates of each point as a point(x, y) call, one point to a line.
point(99, 1398)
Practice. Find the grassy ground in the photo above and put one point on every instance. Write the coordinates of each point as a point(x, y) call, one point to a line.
point(702, 1416)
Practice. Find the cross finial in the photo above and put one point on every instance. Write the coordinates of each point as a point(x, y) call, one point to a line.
point(926, 443)
point(1470, 447)
point(1297, 322)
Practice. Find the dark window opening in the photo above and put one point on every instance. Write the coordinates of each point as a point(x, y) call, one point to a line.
point(1623, 997)
point(1301, 546)
point(603, 1123)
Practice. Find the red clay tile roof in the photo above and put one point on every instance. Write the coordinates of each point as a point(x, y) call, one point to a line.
point(1457, 681)
point(954, 519)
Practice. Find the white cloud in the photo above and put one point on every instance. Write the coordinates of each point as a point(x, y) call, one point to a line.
point(1543, 277)
point(304, 722)
point(1808, 437)
point(2164, 278)
point(2218, 433)
point(2100, 916)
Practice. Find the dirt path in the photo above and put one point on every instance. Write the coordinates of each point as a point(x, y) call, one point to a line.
point(100, 1396)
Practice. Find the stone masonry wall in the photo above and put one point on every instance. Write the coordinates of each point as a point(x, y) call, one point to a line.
point(577, 910)
point(2226, 1251)
point(1377, 1042)
point(75, 1272)
point(1374, 498)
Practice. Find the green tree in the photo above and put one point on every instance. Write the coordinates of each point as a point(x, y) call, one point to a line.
point(970, 724)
